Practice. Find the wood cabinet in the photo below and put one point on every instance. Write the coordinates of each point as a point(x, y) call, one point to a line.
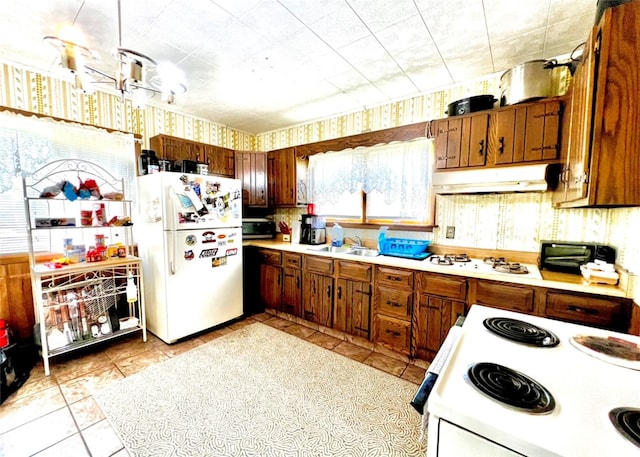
point(220, 160)
point(287, 177)
point(251, 170)
point(601, 138)
point(512, 297)
point(597, 311)
point(393, 308)
point(270, 278)
point(441, 299)
point(461, 141)
point(352, 301)
point(317, 290)
point(525, 133)
point(292, 284)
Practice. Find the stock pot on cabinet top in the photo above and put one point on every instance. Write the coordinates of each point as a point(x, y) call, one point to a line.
point(528, 81)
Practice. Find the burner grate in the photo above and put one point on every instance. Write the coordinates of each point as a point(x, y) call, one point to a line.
point(511, 388)
point(438, 260)
point(627, 422)
point(521, 332)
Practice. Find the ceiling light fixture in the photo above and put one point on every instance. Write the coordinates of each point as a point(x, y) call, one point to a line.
point(135, 75)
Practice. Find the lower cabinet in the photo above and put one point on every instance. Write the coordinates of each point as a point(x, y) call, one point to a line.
point(440, 300)
point(606, 312)
point(292, 284)
point(512, 297)
point(393, 308)
point(270, 278)
point(317, 290)
point(352, 301)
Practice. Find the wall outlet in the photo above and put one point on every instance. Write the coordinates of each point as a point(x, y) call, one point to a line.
point(451, 232)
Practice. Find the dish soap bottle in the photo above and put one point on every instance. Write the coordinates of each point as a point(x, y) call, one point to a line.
point(382, 234)
point(132, 289)
point(337, 235)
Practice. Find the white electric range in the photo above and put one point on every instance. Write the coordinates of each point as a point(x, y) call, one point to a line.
point(574, 393)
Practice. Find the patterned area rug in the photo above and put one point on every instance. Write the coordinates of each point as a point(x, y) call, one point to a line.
point(261, 392)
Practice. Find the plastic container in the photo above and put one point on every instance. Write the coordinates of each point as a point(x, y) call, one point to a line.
point(337, 235)
point(382, 234)
point(404, 247)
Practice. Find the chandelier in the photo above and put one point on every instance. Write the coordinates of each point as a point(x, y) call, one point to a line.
point(136, 75)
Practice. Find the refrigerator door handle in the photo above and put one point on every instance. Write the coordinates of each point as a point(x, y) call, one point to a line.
point(172, 258)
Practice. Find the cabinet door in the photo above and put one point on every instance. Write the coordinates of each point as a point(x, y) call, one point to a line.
point(317, 298)
point(473, 148)
point(432, 319)
point(447, 144)
point(292, 291)
point(542, 131)
point(583, 89)
point(501, 295)
point(271, 286)
point(603, 312)
point(393, 333)
point(352, 307)
point(258, 177)
point(506, 142)
point(282, 177)
point(243, 173)
point(220, 160)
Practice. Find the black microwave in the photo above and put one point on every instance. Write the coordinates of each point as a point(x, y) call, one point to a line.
point(567, 256)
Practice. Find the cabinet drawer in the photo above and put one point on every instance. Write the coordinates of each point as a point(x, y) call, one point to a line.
point(393, 333)
point(270, 257)
point(354, 270)
point(292, 260)
point(395, 277)
point(505, 296)
point(318, 264)
point(598, 312)
point(443, 286)
point(394, 302)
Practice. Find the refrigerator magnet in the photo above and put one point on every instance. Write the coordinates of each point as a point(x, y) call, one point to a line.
point(190, 240)
point(189, 255)
point(209, 237)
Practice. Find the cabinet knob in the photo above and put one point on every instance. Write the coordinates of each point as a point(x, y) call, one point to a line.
point(501, 147)
point(481, 151)
point(392, 332)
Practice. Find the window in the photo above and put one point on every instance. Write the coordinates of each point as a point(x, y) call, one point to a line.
point(28, 143)
point(393, 179)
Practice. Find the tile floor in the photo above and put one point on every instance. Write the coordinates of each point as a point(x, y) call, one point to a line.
point(57, 416)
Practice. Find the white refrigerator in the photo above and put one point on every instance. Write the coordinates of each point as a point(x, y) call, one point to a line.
point(189, 233)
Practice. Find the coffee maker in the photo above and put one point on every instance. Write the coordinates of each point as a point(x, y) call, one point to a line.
point(313, 229)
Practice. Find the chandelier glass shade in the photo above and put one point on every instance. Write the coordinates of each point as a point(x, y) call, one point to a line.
point(136, 75)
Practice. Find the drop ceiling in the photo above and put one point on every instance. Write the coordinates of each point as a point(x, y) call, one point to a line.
point(261, 65)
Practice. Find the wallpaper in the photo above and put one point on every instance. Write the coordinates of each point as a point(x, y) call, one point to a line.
point(495, 221)
point(24, 89)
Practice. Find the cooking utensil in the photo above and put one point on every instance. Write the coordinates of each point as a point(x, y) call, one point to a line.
point(528, 81)
point(470, 105)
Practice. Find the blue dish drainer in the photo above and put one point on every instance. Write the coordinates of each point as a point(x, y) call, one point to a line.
point(404, 247)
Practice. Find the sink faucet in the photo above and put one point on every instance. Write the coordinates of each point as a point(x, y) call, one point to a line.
point(356, 239)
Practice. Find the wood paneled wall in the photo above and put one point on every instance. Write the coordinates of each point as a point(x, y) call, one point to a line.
point(16, 301)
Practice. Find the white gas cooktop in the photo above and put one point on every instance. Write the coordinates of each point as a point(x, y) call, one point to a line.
point(584, 388)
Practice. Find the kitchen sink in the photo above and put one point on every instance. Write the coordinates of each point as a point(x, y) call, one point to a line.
point(336, 249)
point(363, 252)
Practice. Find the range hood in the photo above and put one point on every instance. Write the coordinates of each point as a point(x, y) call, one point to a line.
point(523, 178)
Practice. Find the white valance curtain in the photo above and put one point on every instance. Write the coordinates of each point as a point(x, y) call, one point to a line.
point(28, 143)
point(398, 172)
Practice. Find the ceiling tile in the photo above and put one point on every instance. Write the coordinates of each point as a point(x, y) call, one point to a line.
point(380, 15)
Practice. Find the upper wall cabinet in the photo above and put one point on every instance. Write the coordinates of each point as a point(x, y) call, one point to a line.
point(601, 137)
point(220, 160)
point(528, 132)
point(525, 133)
point(287, 177)
point(251, 169)
point(461, 141)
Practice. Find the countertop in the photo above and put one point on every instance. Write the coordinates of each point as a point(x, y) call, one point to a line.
point(550, 279)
